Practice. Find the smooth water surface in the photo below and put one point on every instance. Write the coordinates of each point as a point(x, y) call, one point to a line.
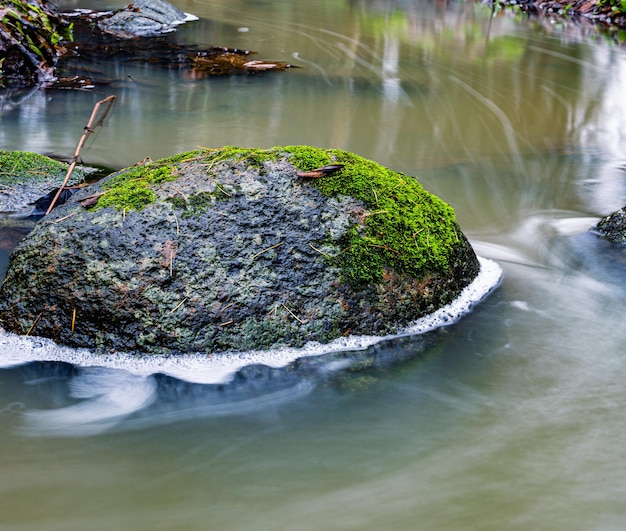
point(512, 418)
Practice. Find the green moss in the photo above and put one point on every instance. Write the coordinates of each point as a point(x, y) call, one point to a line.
point(305, 158)
point(252, 157)
point(22, 166)
point(187, 156)
point(130, 189)
point(405, 228)
point(199, 203)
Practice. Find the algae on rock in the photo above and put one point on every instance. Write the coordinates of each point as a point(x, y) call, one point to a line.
point(228, 249)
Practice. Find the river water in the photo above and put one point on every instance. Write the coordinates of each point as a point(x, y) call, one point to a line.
point(512, 418)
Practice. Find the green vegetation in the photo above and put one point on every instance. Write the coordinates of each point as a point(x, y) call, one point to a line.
point(35, 33)
point(404, 228)
point(618, 7)
point(22, 166)
point(130, 188)
point(22, 17)
point(401, 227)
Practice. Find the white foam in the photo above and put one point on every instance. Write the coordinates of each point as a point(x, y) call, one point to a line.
point(188, 18)
point(109, 396)
point(16, 350)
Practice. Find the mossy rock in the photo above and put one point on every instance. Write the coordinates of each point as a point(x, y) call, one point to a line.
point(229, 249)
point(26, 176)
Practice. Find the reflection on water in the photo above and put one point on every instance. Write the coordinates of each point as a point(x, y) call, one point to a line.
point(510, 419)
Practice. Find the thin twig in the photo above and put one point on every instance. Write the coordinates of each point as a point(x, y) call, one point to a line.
point(63, 218)
point(414, 237)
point(179, 305)
point(376, 212)
point(89, 128)
point(293, 315)
point(34, 323)
point(265, 250)
point(181, 194)
point(73, 319)
point(221, 189)
point(319, 251)
point(375, 197)
point(383, 247)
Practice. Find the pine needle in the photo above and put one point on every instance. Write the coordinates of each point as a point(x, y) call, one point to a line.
point(254, 256)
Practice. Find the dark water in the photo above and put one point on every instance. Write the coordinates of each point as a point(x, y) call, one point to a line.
point(512, 418)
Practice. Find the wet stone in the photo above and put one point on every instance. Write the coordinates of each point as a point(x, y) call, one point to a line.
point(613, 227)
point(207, 252)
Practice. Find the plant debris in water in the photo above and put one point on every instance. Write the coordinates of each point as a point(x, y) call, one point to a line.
point(93, 44)
point(37, 48)
point(605, 13)
point(193, 62)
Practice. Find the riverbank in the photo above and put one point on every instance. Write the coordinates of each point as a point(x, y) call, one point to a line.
point(590, 16)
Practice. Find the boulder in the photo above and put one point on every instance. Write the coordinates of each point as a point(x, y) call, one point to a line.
point(236, 249)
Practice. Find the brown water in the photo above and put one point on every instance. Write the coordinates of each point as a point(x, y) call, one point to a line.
point(513, 418)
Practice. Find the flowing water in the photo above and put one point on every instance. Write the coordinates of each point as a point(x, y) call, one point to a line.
point(512, 418)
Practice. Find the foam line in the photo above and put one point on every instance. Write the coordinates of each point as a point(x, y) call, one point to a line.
point(220, 368)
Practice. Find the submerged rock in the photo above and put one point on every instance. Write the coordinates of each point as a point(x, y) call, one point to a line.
point(613, 227)
point(229, 249)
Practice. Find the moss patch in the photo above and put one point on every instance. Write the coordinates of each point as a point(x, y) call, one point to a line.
point(404, 227)
point(20, 167)
point(131, 189)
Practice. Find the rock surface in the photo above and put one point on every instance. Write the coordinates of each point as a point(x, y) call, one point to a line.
point(229, 249)
point(143, 18)
point(613, 227)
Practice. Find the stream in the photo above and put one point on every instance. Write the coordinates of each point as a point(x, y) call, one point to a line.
point(512, 417)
